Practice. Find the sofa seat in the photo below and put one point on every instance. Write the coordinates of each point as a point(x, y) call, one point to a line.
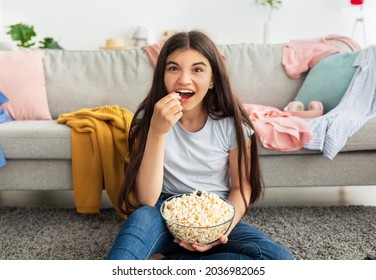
point(50, 140)
point(38, 155)
point(35, 140)
point(363, 140)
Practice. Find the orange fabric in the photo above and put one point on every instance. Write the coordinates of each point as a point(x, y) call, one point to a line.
point(99, 153)
point(278, 130)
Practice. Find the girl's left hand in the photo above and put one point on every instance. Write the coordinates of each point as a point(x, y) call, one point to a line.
point(201, 247)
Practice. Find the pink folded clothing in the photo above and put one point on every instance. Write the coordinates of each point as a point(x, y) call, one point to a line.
point(278, 130)
point(301, 55)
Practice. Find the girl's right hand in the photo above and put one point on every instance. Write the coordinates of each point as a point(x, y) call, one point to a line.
point(167, 112)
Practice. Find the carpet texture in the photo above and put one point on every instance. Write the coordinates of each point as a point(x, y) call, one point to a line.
point(310, 233)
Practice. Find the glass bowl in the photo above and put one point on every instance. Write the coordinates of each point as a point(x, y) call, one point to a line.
point(198, 217)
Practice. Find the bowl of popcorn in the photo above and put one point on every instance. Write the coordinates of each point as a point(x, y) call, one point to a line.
point(197, 217)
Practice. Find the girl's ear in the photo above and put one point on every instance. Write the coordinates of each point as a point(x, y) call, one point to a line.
point(211, 85)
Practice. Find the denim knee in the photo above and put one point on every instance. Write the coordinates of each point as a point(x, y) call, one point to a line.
point(247, 240)
point(138, 234)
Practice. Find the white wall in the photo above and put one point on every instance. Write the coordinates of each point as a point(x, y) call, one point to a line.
point(86, 24)
point(1, 21)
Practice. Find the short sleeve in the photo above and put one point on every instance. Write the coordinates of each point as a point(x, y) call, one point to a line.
point(247, 133)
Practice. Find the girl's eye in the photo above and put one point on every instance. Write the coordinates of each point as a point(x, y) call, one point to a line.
point(172, 68)
point(198, 69)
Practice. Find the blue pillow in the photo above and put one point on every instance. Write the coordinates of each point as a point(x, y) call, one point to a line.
point(328, 80)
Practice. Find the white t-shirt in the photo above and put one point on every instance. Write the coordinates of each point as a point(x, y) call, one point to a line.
point(199, 160)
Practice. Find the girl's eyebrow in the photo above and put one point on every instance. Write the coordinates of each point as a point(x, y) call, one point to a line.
point(194, 64)
point(199, 63)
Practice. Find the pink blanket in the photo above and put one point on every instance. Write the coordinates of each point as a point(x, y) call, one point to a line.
point(278, 130)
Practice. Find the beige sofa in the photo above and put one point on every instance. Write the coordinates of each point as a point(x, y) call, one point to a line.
point(38, 152)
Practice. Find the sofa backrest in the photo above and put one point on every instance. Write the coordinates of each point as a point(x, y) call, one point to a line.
point(258, 76)
point(87, 79)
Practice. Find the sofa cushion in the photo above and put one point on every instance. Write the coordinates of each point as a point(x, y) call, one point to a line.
point(328, 80)
point(89, 79)
point(257, 74)
point(35, 140)
point(22, 81)
point(50, 140)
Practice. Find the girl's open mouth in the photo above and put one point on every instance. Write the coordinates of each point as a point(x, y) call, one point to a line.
point(185, 94)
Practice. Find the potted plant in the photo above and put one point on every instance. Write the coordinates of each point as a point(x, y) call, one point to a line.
point(24, 34)
point(274, 4)
point(268, 9)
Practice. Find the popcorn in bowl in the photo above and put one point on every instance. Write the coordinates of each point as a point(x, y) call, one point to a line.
point(198, 217)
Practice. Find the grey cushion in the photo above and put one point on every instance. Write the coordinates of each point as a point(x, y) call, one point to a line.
point(35, 140)
point(50, 140)
point(257, 74)
point(88, 79)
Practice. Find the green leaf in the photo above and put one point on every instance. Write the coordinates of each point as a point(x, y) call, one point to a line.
point(49, 43)
point(274, 4)
point(23, 33)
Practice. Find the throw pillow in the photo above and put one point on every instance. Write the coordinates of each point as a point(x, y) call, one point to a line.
point(22, 80)
point(328, 80)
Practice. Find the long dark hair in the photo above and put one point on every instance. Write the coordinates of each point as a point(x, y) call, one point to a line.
point(220, 102)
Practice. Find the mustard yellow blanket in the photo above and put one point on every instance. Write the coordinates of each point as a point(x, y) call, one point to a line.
point(99, 153)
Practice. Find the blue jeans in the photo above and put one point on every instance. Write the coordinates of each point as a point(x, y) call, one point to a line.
point(144, 234)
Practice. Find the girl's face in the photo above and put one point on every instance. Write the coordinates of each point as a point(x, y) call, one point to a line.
point(188, 73)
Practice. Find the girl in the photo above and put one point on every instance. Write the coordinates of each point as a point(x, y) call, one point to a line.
point(190, 133)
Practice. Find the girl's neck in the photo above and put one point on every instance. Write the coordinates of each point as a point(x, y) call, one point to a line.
point(194, 122)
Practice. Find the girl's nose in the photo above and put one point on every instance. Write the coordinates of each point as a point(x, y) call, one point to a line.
point(185, 78)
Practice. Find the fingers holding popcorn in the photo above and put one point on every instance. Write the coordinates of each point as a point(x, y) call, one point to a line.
point(167, 112)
